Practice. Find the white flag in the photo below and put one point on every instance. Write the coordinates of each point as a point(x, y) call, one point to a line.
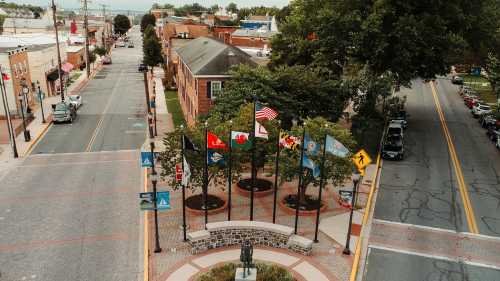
point(186, 174)
point(260, 131)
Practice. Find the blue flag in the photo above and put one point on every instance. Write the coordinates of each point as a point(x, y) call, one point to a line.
point(335, 147)
point(215, 157)
point(308, 163)
point(311, 147)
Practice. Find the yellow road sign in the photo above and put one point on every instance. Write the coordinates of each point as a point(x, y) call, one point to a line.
point(361, 159)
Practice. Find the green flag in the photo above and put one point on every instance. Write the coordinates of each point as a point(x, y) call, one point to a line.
point(240, 140)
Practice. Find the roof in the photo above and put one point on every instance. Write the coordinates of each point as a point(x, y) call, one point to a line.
point(207, 56)
point(30, 40)
point(260, 18)
point(180, 28)
point(74, 49)
point(27, 23)
point(259, 33)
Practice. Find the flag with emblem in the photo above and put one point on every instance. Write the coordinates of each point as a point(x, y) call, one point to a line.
point(335, 147)
point(240, 140)
point(310, 146)
point(214, 157)
point(186, 173)
point(310, 164)
point(260, 131)
point(288, 141)
point(214, 142)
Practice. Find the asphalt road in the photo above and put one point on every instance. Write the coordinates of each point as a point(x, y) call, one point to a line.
point(424, 190)
point(69, 211)
point(112, 116)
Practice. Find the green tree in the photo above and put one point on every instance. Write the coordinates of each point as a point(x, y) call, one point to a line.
point(493, 69)
point(295, 91)
point(232, 7)
point(147, 19)
point(336, 169)
point(121, 24)
point(151, 48)
point(100, 51)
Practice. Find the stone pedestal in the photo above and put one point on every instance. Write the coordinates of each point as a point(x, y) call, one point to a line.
point(252, 276)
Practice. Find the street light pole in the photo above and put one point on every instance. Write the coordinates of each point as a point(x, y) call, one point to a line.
point(22, 100)
point(355, 179)
point(59, 70)
point(41, 100)
point(154, 180)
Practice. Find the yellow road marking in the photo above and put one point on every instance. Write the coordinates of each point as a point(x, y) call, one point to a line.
point(469, 212)
point(146, 232)
point(94, 134)
point(32, 145)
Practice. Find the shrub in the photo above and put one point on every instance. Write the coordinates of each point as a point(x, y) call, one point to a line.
point(265, 272)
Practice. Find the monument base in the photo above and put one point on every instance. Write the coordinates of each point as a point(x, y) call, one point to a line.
point(250, 276)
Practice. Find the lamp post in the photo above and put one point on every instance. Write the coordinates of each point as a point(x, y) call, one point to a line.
point(355, 180)
point(154, 180)
point(22, 99)
point(41, 100)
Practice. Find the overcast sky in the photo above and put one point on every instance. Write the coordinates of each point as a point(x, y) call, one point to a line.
point(146, 4)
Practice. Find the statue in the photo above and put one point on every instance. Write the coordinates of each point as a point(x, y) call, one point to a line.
point(246, 257)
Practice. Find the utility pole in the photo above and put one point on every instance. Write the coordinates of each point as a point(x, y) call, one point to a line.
point(105, 31)
point(86, 26)
point(59, 70)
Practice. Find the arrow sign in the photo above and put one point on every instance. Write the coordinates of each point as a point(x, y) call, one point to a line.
point(146, 159)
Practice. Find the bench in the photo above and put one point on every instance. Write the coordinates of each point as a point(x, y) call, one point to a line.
point(230, 233)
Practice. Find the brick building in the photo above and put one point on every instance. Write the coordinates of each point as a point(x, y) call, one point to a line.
point(201, 72)
point(252, 38)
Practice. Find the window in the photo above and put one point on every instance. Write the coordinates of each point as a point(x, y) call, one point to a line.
point(216, 89)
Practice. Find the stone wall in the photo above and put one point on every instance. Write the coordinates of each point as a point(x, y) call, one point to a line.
point(232, 233)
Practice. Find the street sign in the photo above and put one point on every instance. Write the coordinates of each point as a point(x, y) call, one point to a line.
point(361, 159)
point(476, 71)
point(345, 198)
point(146, 203)
point(163, 200)
point(146, 159)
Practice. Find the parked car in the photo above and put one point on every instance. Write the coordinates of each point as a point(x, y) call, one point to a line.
point(63, 112)
point(75, 100)
point(106, 60)
point(493, 133)
point(457, 80)
point(487, 120)
point(400, 116)
point(498, 143)
point(469, 96)
point(464, 89)
point(480, 109)
point(130, 44)
point(395, 128)
point(142, 67)
point(473, 102)
point(120, 43)
point(393, 148)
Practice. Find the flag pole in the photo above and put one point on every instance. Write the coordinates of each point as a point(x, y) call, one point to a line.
point(297, 205)
point(321, 183)
point(183, 188)
point(276, 171)
point(253, 161)
point(205, 176)
point(230, 176)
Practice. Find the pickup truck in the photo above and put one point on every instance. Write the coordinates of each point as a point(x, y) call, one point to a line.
point(63, 112)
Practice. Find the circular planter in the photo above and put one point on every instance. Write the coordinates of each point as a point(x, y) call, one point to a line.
point(265, 271)
point(216, 204)
point(287, 203)
point(263, 187)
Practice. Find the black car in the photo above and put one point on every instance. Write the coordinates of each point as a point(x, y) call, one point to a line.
point(142, 67)
point(393, 148)
point(400, 116)
point(487, 120)
point(457, 80)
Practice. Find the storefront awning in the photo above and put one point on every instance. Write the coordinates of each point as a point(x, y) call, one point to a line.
point(67, 67)
point(53, 75)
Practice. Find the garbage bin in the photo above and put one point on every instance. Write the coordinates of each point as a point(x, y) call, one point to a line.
point(27, 136)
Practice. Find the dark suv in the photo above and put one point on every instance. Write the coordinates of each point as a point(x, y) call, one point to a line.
point(393, 148)
point(63, 112)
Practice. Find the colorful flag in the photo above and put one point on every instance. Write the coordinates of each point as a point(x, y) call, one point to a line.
point(214, 141)
point(240, 140)
point(178, 172)
point(215, 157)
point(260, 131)
point(264, 112)
point(186, 173)
point(188, 144)
point(289, 142)
point(5, 77)
point(335, 147)
point(311, 147)
point(308, 163)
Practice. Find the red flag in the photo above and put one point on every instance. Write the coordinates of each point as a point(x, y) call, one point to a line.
point(214, 141)
point(178, 172)
point(5, 76)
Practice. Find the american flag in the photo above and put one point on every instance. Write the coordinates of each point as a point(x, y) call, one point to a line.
point(264, 112)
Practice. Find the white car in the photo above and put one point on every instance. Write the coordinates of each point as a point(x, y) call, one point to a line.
point(120, 43)
point(395, 128)
point(75, 100)
point(498, 143)
point(480, 109)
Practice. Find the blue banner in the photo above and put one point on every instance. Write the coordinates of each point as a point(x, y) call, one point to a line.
point(146, 159)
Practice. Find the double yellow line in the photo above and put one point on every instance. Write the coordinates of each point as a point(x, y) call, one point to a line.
point(469, 212)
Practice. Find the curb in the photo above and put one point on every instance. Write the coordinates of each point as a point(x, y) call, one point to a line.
point(37, 138)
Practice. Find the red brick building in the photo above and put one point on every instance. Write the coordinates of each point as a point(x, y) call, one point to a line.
point(201, 72)
point(252, 38)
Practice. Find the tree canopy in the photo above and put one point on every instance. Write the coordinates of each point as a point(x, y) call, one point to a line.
point(232, 7)
point(147, 19)
point(151, 47)
point(121, 24)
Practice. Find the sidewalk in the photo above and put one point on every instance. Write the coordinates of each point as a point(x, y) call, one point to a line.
point(37, 128)
point(163, 117)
